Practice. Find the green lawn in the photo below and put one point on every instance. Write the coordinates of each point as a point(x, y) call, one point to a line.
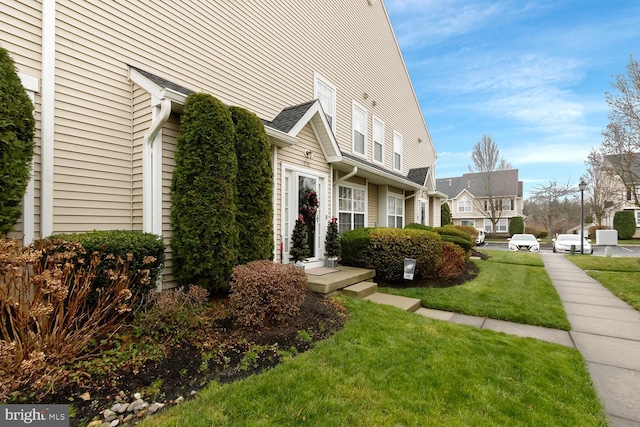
point(511, 286)
point(620, 275)
point(389, 367)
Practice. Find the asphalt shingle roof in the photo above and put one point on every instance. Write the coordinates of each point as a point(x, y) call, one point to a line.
point(163, 82)
point(418, 175)
point(504, 183)
point(290, 116)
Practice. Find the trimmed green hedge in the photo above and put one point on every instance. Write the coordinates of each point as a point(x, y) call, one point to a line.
point(451, 230)
point(417, 226)
point(203, 191)
point(254, 187)
point(384, 249)
point(119, 243)
point(459, 241)
point(625, 223)
point(516, 225)
point(17, 129)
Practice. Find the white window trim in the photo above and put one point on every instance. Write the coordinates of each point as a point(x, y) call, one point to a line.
point(637, 218)
point(468, 205)
point(317, 77)
point(399, 199)
point(373, 140)
point(398, 142)
point(506, 225)
point(355, 106)
point(353, 187)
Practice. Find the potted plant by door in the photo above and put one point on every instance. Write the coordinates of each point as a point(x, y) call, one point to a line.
point(332, 244)
point(299, 243)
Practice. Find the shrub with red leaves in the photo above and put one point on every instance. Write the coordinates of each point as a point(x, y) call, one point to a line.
point(265, 293)
point(452, 261)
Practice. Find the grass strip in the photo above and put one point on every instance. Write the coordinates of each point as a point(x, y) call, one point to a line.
point(389, 367)
point(516, 290)
point(620, 275)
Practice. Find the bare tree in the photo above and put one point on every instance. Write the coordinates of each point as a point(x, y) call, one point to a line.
point(486, 159)
point(602, 187)
point(622, 136)
point(551, 197)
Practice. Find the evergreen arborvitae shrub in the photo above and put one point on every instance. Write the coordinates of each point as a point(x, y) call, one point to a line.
point(254, 187)
point(516, 225)
point(203, 190)
point(16, 142)
point(332, 243)
point(625, 223)
point(445, 214)
point(299, 250)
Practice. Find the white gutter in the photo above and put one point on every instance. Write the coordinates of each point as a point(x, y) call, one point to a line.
point(152, 169)
point(347, 176)
point(47, 116)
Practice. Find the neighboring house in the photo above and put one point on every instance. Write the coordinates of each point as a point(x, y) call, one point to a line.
point(626, 188)
point(469, 198)
point(109, 80)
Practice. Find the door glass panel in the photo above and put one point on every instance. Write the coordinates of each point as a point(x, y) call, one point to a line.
point(308, 207)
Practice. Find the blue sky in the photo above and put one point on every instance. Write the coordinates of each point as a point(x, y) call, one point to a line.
point(532, 74)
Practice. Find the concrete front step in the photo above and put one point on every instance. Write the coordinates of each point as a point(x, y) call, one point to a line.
point(404, 303)
point(340, 279)
point(361, 290)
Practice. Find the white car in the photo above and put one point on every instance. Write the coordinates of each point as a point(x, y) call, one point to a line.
point(564, 242)
point(481, 236)
point(526, 242)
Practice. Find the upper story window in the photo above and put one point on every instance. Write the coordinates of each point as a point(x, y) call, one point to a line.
point(359, 129)
point(378, 140)
point(326, 92)
point(464, 205)
point(397, 151)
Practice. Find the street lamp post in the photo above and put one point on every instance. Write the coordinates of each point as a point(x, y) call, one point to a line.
point(582, 186)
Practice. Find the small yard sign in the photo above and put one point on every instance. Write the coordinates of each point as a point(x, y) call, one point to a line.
point(409, 268)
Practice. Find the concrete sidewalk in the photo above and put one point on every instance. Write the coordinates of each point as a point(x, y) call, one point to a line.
point(606, 330)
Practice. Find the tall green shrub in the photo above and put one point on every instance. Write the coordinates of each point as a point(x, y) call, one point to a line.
point(445, 214)
point(16, 142)
point(625, 223)
point(203, 190)
point(254, 187)
point(516, 225)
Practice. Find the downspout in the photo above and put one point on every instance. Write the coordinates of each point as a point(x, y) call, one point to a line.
point(48, 116)
point(347, 176)
point(152, 170)
point(277, 246)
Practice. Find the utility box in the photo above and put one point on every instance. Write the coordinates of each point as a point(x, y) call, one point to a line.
point(607, 237)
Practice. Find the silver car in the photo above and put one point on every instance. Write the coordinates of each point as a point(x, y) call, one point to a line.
point(564, 242)
point(524, 242)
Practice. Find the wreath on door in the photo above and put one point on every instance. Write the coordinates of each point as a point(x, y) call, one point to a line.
point(309, 206)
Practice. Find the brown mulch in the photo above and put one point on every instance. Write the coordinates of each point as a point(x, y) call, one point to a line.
point(183, 369)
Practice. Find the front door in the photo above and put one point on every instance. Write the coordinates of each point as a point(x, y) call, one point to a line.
point(304, 197)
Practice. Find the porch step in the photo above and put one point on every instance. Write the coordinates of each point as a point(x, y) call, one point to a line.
point(341, 278)
point(361, 290)
point(404, 303)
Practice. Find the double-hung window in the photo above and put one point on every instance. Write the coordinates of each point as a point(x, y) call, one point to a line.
point(378, 140)
point(359, 129)
point(501, 226)
point(464, 205)
point(637, 218)
point(325, 92)
point(351, 207)
point(397, 151)
point(468, 222)
point(395, 212)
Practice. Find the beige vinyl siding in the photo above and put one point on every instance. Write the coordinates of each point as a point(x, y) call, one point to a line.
point(170, 133)
point(141, 124)
point(373, 205)
point(21, 34)
point(409, 210)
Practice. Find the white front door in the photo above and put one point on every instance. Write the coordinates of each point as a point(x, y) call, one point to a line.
point(298, 188)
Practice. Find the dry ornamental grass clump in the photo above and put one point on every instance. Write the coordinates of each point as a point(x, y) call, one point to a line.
point(46, 319)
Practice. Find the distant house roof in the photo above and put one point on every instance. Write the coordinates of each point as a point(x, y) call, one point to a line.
point(627, 166)
point(502, 183)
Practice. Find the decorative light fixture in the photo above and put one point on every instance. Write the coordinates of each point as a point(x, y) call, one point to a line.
point(371, 2)
point(582, 186)
point(365, 95)
point(308, 154)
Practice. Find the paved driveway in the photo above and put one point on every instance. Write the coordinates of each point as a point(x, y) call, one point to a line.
point(631, 250)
